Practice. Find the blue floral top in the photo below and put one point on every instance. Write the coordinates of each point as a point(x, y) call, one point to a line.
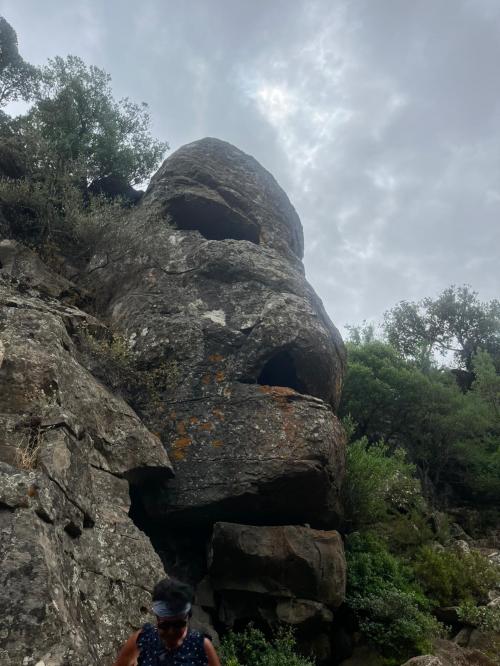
point(153, 652)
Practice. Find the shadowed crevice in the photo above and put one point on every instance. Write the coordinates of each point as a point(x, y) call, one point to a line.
point(213, 220)
point(280, 370)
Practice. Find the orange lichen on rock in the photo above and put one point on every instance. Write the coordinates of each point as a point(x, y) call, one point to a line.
point(219, 376)
point(193, 420)
point(179, 447)
point(218, 413)
point(207, 426)
point(217, 443)
point(280, 395)
point(205, 379)
point(215, 358)
point(180, 427)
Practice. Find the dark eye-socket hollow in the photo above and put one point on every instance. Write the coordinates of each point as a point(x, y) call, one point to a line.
point(280, 370)
point(213, 220)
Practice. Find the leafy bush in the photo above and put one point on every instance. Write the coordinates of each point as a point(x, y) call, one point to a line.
point(391, 610)
point(485, 618)
point(42, 214)
point(450, 578)
point(378, 483)
point(251, 648)
point(18, 79)
point(25, 209)
point(452, 437)
point(113, 360)
point(407, 532)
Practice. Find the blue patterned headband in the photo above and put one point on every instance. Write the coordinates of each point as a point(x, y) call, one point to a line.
point(162, 609)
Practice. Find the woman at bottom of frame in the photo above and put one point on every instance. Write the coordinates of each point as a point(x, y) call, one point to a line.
point(171, 642)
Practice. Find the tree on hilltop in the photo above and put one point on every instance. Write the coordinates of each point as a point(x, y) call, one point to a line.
point(456, 322)
point(90, 135)
point(18, 79)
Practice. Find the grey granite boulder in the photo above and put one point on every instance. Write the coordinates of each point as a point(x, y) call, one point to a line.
point(447, 653)
point(253, 364)
point(266, 453)
point(212, 187)
point(290, 562)
point(277, 575)
point(75, 571)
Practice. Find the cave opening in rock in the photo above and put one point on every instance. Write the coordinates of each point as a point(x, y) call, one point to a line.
point(213, 220)
point(280, 370)
point(181, 548)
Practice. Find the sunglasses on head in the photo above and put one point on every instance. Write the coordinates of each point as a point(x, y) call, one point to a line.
point(171, 624)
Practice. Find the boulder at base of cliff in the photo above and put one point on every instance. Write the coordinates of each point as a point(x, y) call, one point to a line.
point(288, 561)
point(274, 575)
point(447, 653)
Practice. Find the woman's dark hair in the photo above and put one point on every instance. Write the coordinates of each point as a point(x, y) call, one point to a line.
point(174, 592)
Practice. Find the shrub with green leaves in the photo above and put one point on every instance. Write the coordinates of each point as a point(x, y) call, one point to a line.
point(450, 578)
point(114, 362)
point(378, 483)
point(251, 648)
point(484, 618)
point(452, 437)
point(391, 610)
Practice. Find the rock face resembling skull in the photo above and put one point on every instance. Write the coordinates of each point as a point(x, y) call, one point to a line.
point(239, 373)
point(252, 362)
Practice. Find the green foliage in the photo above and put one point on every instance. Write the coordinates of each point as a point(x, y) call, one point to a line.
point(84, 131)
point(395, 398)
point(455, 322)
point(39, 213)
point(363, 334)
point(487, 383)
point(452, 437)
point(392, 611)
point(378, 484)
point(113, 360)
point(450, 578)
point(18, 79)
point(484, 618)
point(74, 134)
point(251, 648)
point(407, 531)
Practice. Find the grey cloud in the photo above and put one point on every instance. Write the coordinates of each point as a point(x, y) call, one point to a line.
point(380, 119)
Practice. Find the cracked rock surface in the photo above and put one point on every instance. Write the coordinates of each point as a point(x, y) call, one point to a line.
point(248, 420)
point(234, 445)
point(74, 569)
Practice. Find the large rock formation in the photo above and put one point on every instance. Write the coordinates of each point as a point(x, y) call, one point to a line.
point(248, 421)
point(240, 372)
point(74, 567)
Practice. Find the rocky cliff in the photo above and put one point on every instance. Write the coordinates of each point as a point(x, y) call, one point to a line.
point(215, 456)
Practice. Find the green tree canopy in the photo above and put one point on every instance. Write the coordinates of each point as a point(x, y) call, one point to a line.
point(456, 322)
point(84, 132)
point(17, 78)
point(452, 437)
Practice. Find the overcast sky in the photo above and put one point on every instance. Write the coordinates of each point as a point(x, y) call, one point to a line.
point(380, 119)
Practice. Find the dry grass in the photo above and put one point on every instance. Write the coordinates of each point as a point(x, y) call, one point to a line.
point(28, 450)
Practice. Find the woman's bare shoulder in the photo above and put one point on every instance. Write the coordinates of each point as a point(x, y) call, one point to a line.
point(213, 659)
point(129, 652)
